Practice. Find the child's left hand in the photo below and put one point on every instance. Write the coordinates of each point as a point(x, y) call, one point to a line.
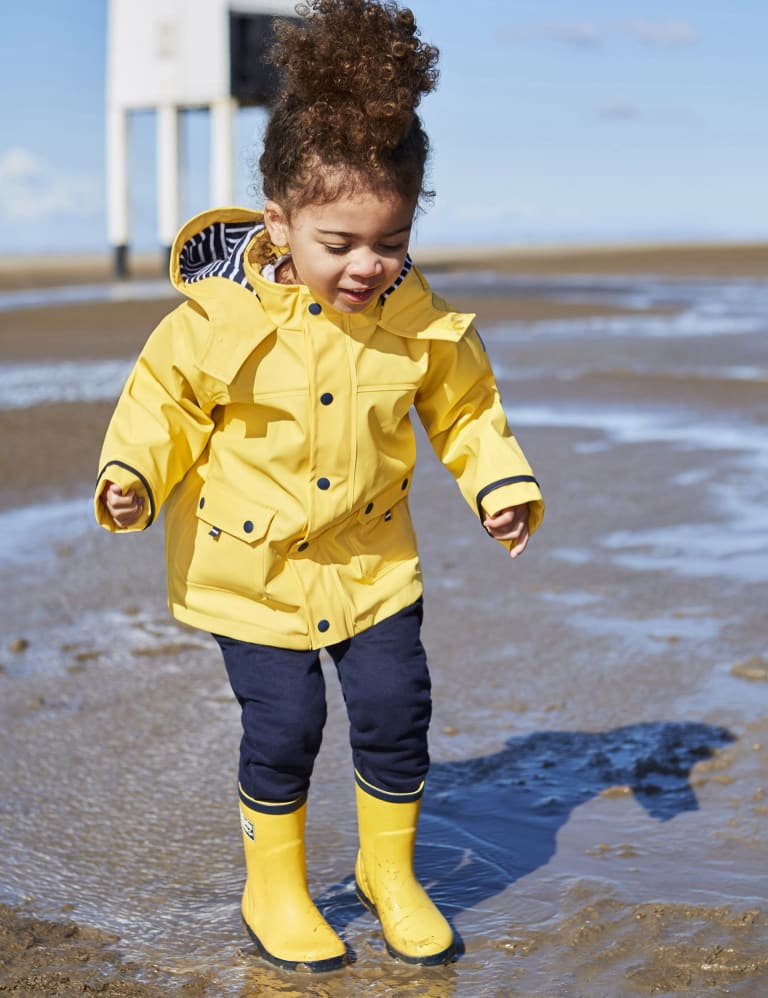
point(510, 524)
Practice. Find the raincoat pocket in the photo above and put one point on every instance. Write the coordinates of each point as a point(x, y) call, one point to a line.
point(230, 543)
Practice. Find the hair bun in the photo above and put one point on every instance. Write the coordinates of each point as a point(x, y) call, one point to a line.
point(355, 69)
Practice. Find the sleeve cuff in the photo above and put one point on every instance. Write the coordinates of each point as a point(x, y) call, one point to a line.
point(494, 500)
point(128, 479)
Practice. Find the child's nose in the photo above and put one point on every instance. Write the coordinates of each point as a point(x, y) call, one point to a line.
point(366, 264)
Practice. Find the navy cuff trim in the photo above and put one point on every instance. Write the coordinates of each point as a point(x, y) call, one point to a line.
point(389, 795)
point(515, 480)
point(141, 478)
point(267, 807)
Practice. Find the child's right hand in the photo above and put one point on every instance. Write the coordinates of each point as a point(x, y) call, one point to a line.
point(126, 509)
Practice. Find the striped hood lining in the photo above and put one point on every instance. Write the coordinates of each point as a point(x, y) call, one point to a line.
point(219, 251)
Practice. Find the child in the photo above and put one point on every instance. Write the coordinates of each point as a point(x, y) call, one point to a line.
point(269, 414)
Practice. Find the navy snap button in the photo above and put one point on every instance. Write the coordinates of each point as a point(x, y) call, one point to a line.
point(248, 527)
point(326, 398)
point(303, 546)
point(202, 501)
point(369, 508)
point(323, 483)
point(405, 484)
point(323, 625)
point(315, 308)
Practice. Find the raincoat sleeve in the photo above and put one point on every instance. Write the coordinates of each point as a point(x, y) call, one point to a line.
point(460, 407)
point(159, 427)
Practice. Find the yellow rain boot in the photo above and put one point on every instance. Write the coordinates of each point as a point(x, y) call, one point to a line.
point(414, 930)
point(278, 913)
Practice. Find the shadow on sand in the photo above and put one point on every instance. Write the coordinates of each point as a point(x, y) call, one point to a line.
point(490, 820)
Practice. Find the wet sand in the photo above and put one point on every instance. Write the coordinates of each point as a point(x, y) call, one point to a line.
point(595, 815)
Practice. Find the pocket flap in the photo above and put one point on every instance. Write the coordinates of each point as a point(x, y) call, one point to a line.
point(233, 514)
point(384, 501)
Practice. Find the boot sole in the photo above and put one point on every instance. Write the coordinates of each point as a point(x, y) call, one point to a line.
point(313, 966)
point(431, 960)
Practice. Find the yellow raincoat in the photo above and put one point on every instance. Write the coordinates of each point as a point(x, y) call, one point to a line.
point(277, 435)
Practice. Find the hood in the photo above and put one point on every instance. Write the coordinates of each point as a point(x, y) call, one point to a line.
point(213, 244)
point(212, 248)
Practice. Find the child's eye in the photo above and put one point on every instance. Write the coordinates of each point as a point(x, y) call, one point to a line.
point(396, 248)
point(336, 250)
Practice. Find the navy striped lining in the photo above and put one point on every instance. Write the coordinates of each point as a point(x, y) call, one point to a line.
point(218, 251)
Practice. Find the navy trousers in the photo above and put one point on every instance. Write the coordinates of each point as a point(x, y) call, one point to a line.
point(387, 691)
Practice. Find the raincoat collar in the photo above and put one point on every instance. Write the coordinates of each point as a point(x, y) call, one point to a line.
point(210, 264)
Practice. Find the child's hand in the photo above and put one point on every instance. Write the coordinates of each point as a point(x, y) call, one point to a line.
point(124, 509)
point(510, 524)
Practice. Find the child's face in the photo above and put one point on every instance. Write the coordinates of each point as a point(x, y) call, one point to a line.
point(349, 251)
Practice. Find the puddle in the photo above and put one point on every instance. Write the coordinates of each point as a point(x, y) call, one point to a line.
point(32, 533)
point(76, 294)
point(25, 385)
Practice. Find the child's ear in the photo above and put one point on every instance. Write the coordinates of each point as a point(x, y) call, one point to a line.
point(276, 222)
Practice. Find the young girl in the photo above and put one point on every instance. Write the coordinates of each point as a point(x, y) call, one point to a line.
point(269, 414)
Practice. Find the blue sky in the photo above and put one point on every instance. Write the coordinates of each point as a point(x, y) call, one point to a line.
point(554, 121)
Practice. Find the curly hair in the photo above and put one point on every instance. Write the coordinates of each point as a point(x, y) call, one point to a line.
point(352, 75)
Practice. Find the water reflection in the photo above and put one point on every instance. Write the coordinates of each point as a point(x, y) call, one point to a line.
point(77, 294)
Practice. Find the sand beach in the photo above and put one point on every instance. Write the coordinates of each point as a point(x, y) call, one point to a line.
point(594, 822)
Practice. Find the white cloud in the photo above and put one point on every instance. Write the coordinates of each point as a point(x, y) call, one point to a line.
point(579, 33)
point(32, 189)
point(590, 34)
point(619, 110)
point(582, 34)
point(662, 33)
point(16, 164)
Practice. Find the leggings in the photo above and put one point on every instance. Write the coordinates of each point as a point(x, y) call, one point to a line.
point(387, 692)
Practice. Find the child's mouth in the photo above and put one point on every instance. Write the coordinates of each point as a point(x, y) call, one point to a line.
point(359, 297)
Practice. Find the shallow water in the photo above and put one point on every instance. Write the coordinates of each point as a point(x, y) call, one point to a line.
point(111, 291)
point(594, 819)
point(29, 384)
